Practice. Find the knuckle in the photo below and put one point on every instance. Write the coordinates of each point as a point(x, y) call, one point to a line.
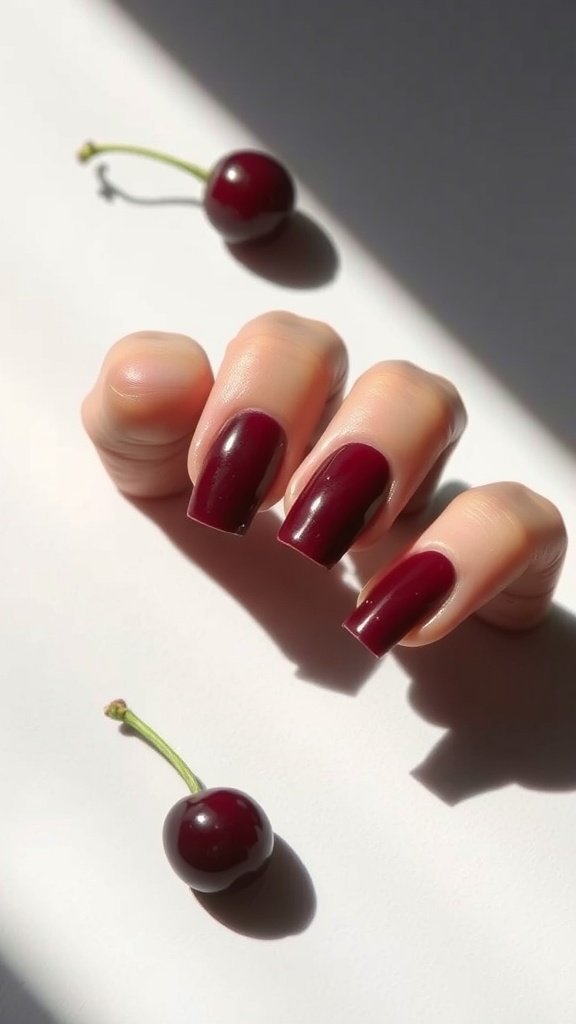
point(307, 342)
point(529, 521)
point(272, 320)
point(503, 507)
point(434, 398)
point(291, 328)
point(454, 399)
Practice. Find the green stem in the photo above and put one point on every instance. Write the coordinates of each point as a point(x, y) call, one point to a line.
point(120, 712)
point(90, 149)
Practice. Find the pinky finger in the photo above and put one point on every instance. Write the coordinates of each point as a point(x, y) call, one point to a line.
point(496, 551)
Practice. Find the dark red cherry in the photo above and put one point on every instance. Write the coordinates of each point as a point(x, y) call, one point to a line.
point(217, 839)
point(249, 195)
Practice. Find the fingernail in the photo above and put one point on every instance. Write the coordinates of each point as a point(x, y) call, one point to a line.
point(238, 471)
point(403, 599)
point(337, 504)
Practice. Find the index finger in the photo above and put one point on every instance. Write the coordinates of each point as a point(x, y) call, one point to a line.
point(278, 376)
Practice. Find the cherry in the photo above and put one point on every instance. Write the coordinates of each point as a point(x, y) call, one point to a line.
point(248, 195)
point(214, 839)
point(217, 838)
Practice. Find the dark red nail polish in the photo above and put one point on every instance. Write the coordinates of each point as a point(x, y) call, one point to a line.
point(337, 504)
point(403, 599)
point(238, 471)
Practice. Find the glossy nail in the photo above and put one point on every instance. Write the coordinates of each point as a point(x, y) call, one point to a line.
point(337, 504)
point(405, 598)
point(238, 471)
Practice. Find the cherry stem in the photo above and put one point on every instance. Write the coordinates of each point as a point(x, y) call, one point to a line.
point(90, 149)
point(120, 712)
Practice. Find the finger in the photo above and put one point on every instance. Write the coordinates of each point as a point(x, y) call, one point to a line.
point(383, 450)
point(496, 550)
point(277, 377)
point(143, 409)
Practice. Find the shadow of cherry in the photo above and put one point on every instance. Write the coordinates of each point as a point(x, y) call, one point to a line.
point(281, 902)
point(110, 191)
point(302, 256)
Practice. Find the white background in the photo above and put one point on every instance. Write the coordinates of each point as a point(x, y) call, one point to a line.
point(429, 799)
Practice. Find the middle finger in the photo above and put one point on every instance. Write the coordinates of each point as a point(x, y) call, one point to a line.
point(386, 444)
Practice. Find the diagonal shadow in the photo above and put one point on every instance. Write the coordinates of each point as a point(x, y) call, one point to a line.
point(441, 134)
point(17, 1004)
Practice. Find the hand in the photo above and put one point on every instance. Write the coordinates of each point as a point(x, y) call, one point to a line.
point(274, 423)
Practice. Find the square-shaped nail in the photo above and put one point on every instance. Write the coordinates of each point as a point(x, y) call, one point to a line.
point(337, 504)
point(403, 599)
point(239, 469)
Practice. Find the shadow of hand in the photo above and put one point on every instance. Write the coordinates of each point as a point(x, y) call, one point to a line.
point(300, 605)
point(508, 702)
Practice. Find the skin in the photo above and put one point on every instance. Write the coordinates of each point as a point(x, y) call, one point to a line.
point(156, 407)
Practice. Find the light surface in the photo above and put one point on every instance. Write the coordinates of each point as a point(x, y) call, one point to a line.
point(442, 856)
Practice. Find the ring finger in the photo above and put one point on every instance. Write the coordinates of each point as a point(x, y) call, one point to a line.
point(496, 550)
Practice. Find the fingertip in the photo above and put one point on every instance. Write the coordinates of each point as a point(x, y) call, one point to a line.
point(153, 386)
point(150, 362)
point(143, 410)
